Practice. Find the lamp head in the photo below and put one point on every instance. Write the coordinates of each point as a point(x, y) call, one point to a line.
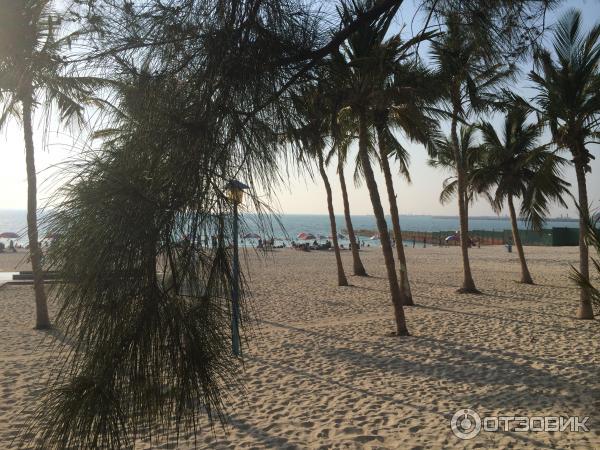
point(236, 190)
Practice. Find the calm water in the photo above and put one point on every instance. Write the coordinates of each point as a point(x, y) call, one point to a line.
point(292, 224)
point(319, 224)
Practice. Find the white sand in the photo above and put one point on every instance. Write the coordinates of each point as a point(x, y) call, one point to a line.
point(322, 374)
point(14, 262)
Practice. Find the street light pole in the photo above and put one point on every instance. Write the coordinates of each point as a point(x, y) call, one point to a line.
point(235, 288)
point(236, 194)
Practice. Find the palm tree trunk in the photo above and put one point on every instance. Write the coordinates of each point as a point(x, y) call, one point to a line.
point(525, 275)
point(468, 285)
point(386, 247)
point(389, 183)
point(41, 306)
point(342, 281)
point(585, 310)
point(359, 269)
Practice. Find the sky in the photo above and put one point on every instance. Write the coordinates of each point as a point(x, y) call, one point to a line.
point(298, 192)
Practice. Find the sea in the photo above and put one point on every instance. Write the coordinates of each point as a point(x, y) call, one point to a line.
point(286, 227)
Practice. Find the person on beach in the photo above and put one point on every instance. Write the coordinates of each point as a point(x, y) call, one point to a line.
point(11, 246)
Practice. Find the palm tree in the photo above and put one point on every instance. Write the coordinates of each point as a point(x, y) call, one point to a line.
point(468, 77)
point(341, 151)
point(442, 156)
point(568, 96)
point(312, 135)
point(32, 71)
point(387, 145)
point(342, 280)
point(358, 80)
point(405, 93)
point(519, 168)
point(593, 240)
point(400, 91)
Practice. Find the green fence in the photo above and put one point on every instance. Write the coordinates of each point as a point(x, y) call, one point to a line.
point(530, 237)
point(565, 236)
point(549, 237)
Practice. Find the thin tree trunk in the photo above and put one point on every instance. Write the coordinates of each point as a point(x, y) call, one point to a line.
point(585, 310)
point(358, 267)
point(389, 183)
point(41, 306)
point(342, 281)
point(468, 285)
point(525, 275)
point(386, 247)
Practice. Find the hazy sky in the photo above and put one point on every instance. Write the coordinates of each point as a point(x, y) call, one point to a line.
point(299, 193)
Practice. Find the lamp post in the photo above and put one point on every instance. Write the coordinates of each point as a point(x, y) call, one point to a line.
point(236, 195)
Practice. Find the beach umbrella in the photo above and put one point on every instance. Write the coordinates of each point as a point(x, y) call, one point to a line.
point(9, 235)
point(453, 237)
point(251, 236)
point(340, 236)
point(375, 236)
point(306, 236)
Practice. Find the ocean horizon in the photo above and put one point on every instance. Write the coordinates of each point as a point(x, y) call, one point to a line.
point(288, 226)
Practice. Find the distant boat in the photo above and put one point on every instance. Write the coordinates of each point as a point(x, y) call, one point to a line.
point(251, 236)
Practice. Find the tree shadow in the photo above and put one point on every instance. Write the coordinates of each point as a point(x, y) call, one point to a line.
point(509, 320)
point(288, 368)
point(268, 440)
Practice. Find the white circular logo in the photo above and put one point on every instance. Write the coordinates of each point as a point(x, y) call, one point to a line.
point(465, 424)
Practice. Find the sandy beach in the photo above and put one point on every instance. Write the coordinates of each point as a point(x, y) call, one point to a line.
point(321, 372)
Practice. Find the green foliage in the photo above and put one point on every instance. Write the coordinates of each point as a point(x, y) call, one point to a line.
point(32, 61)
point(468, 73)
point(382, 77)
point(568, 87)
point(145, 306)
point(309, 129)
point(505, 29)
point(442, 156)
point(514, 165)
